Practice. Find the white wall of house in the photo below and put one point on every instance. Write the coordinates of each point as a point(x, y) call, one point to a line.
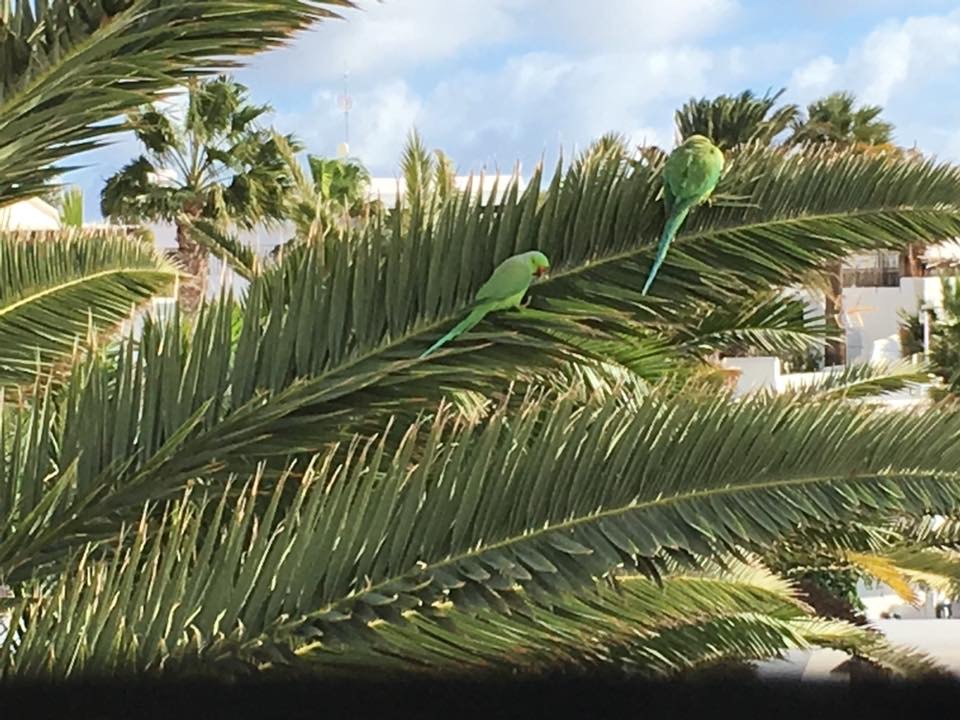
point(30, 214)
point(872, 314)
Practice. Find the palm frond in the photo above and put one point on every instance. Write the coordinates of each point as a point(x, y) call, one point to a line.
point(883, 569)
point(77, 66)
point(767, 322)
point(234, 253)
point(546, 497)
point(328, 342)
point(187, 593)
point(71, 208)
point(863, 380)
point(58, 295)
point(932, 567)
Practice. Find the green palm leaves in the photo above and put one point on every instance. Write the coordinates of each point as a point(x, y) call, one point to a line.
point(76, 65)
point(57, 295)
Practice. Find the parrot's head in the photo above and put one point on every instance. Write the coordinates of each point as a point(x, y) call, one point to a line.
point(538, 263)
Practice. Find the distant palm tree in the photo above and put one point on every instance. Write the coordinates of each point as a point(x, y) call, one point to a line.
point(731, 120)
point(330, 194)
point(424, 171)
point(343, 182)
point(836, 119)
point(71, 207)
point(216, 163)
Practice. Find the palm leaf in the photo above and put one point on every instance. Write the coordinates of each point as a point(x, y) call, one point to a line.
point(884, 569)
point(240, 599)
point(78, 66)
point(328, 340)
point(935, 568)
point(767, 322)
point(57, 294)
point(864, 380)
point(547, 497)
point(235, 254)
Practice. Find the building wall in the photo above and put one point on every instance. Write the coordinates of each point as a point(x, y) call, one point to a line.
point(872, 314)
point(30, 214)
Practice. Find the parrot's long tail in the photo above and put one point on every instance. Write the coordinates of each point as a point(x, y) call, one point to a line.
point(461, 327)
point(670, 229)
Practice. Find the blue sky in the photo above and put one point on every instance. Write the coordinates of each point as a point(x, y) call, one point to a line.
point(497, 81)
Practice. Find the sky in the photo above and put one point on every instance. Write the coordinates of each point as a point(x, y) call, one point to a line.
point(496, 82)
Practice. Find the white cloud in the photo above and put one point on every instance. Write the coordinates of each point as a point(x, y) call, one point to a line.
point(379, 122)
point(387, 39)
point(629, 24)
point(814, 77)
point(895, 58)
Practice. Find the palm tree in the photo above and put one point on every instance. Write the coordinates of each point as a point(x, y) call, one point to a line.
point(835, 120)
point(70, 68)
point(215, 163)
point(328, 198)
point(425, 172)
point(316, 504)
point(334, 193)
point(281, 484)
point(731, 120)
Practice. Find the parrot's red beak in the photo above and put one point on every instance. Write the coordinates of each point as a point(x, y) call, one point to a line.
point(540, 271)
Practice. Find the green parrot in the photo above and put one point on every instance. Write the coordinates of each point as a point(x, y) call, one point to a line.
point(504, 289)
point(690, 175)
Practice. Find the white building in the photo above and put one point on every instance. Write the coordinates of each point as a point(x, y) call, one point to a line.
point(29, 214)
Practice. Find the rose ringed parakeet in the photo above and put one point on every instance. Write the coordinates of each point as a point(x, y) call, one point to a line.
point(690, 175)
point(504, 289)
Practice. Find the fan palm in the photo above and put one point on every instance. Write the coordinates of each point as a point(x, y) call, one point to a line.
point(214, 163)
point(836, 119)
point(734, 120)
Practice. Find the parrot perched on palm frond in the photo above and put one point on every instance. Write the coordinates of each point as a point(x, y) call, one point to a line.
point(690, 175)
point(504, 289)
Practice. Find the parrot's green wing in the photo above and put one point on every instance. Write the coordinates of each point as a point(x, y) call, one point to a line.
point(504, 288)
point(510, 277)
point(693, 170)
point(669, 199)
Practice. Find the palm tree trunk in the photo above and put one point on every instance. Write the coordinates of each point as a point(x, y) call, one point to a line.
point(193, 258)
point(910, 262)
point(835, 351)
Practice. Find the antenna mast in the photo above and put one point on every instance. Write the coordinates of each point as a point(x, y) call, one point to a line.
point(345, 103)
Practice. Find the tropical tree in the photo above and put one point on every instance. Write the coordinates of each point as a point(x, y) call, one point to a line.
point(215, 163)
point(71, 207)
point(425, 172)
point(323, 201)
point(332, 193)
point(944, 336)
point(835, 120)
point(342, 181)
point(70, 68)
point(731, 120)
point(281, 484)
point(278, 482)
